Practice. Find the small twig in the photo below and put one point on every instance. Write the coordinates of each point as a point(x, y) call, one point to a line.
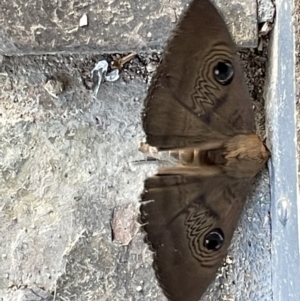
point(118, 63)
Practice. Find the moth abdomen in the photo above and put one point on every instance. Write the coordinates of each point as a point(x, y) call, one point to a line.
point(241, 156)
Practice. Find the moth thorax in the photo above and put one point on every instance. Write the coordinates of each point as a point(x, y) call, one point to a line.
point(245, 155)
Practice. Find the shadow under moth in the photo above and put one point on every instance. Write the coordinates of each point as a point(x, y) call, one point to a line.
point(198, 108)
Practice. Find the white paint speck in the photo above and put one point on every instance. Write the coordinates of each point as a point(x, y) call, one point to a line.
point(83, 21)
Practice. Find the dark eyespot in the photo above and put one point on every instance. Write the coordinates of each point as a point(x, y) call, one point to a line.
point(223, 72)
point(214, 240)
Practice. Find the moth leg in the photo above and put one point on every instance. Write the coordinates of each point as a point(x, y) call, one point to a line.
point(191, 170)
point(148, 149)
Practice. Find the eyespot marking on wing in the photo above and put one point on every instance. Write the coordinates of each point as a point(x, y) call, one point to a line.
point(199, 224)
point(208, 83)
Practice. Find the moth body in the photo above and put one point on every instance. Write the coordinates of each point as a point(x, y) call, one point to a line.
point(241, 156)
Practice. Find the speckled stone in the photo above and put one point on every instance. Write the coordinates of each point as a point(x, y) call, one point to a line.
point(43, 26)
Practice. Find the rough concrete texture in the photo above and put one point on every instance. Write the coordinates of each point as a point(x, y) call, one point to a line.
point(266, 11)
point(69, 164)
point(43, 26)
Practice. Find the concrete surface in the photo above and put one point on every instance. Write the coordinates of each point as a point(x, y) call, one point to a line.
point(43, 26)
point(266, 11)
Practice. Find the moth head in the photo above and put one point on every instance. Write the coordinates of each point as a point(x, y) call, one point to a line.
point(223, 72)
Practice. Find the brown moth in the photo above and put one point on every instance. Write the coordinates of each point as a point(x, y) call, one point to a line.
point(198, 107)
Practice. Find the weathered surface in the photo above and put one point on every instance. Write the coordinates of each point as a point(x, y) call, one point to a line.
point(68, 163)
point(43, 26)
point(266, 11)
